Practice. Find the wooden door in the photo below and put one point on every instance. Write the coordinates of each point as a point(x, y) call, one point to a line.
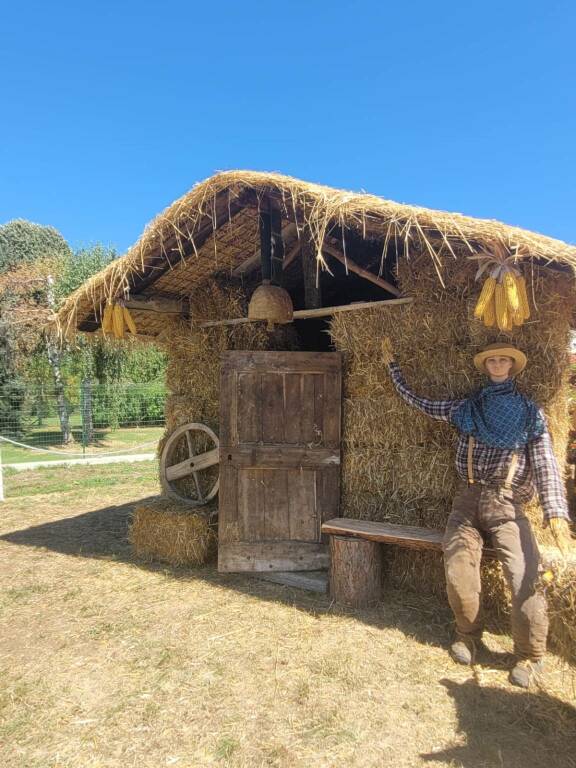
point(279, 459)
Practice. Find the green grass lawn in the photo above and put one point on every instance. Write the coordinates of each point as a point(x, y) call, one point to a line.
point(49, 437)
point(76, 478)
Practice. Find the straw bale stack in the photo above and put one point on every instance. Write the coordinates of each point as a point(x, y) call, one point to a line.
point(398, 464)
point(166, 531)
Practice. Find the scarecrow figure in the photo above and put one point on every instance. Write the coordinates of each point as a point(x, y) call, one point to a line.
point(504, 451)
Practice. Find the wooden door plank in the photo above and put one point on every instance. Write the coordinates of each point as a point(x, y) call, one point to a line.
point(251, 509)
point(272, 398)
point(332, 409)
point(228, 405)
point(319, 409)
point(249, 408)
point(302, 505)
point(272, 556)
point(276, 512)
point(293, 416)
point(308, 435)
point(228, 529)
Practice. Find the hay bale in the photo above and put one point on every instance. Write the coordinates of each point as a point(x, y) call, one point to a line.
point(561, 596)
point(166, 531)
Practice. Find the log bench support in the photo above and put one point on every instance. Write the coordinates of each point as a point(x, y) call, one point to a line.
point(355, 571)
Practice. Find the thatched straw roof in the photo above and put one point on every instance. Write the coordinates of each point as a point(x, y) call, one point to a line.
point(214, 228)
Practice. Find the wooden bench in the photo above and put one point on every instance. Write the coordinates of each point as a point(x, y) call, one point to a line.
point(356, 555)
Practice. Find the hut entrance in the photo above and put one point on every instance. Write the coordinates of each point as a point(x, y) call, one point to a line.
point(279, 459)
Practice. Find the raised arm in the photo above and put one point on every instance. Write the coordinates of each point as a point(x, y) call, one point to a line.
point(437, 409)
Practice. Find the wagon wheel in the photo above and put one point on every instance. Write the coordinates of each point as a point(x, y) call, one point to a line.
point(181, 462)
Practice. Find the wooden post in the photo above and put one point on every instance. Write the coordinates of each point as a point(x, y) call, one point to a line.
point(265, 241)
point(355, 571)
point(312, 293)
point(277, 255)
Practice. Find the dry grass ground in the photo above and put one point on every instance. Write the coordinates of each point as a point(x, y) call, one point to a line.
point(105, 661)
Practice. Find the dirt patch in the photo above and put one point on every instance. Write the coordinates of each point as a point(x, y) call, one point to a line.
point(105, 662)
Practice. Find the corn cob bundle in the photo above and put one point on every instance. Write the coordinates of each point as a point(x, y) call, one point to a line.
point(503, 300)
point(117, 320)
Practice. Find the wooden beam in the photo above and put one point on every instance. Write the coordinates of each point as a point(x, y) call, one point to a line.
point(303, 314)
point(353, 267)
point(159, 304)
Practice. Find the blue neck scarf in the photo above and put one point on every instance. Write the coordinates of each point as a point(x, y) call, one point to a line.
point(499, 416)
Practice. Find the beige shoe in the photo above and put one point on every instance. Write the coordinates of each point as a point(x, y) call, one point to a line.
point(527, 672)
point(463, 652)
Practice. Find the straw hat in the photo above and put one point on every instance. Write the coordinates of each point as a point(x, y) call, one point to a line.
point(503, 350)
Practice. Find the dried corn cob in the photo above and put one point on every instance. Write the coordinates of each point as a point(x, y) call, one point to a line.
point(490, 313)
point(485, 295)
point(118, 321)
point(500, 302)
point(523, 297)
point(130, 324)
point(107, 319)
point(509, 283)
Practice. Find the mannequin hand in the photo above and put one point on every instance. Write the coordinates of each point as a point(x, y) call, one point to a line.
point(387, 351)
point(561, 534)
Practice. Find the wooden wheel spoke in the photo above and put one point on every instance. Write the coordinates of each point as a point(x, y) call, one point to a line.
point(189, 443)
point(195, 476)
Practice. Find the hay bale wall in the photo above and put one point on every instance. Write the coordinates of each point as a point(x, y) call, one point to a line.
point(398, 464)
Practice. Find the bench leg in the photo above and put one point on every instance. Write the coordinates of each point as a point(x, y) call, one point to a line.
point(355, 571)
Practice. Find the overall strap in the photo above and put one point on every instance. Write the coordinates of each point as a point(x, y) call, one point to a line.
point(511, 471)
point(470, 453)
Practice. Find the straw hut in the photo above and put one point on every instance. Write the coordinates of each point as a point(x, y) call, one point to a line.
point(308, 423)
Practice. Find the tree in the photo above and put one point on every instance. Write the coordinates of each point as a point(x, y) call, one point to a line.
point(28, 253)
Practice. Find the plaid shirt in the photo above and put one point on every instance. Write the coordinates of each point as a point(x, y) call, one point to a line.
point(537, 465)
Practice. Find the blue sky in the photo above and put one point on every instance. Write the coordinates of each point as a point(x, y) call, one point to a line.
point(109, 111)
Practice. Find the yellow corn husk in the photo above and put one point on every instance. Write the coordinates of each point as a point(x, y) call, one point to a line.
point(107, 319)
point(523, 296)
point(509, 283)
point(118, 321)
point(485, 296)
point(501, 303)
point(518, 317)
point(489, 316)
point(130, 324)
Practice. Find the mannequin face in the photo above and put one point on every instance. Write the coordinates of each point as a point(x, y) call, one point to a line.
point(498, 368)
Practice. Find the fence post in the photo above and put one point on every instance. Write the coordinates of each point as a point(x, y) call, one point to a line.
point(1, 478)
point(83, 417)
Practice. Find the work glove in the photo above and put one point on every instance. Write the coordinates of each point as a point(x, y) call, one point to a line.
point(561, 533)
point(387, 351)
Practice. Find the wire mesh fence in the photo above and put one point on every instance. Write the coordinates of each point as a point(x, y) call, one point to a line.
point(43, 423)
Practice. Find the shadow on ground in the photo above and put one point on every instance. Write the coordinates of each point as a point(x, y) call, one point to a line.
point(102, 533)
point(534, 729)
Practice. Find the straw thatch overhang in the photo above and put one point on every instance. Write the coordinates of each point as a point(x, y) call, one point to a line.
point(213, 229)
